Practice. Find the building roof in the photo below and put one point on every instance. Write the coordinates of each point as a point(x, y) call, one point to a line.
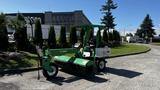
point(42, 15)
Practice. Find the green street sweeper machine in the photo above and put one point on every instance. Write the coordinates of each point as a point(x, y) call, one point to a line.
point(89, 56)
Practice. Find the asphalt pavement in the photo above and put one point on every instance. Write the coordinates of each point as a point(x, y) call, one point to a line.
point(136, 72)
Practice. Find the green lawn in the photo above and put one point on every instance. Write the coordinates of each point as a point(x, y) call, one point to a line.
point(128, 49)
point(30, 60)
point(121, 50)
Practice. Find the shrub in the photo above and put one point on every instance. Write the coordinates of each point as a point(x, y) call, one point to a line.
point(38, 39)
point(105, 36)
point(99, 38)
point(116, 38)
point(62, 38)
point(82, 35)
point(73, 36)
point(3, 39)
point(3, 33)
point(52, 38)
point(116, 35)
point(22, 42)
point(110, 36)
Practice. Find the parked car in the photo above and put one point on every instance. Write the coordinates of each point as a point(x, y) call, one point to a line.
point(130, 39)
point(140, 40)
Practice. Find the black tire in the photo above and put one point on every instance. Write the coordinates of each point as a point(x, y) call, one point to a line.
point(53, 74)
point(101, 65)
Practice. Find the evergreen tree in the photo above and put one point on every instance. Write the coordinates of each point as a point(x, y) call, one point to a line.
point(139, 33)
point(3, 33)
point(52, 38)
point(3, 41)
point(110, 36)
point(19, 25)
point(91, 32)
point(62, 38)
point(108, 19)
point(38, 39)
point(146, 28)
point(22, 42)
point(105, 36)
point(81, 35)
point(99, 38)
point(116, 36)
point(73, 36)
point(129, 34)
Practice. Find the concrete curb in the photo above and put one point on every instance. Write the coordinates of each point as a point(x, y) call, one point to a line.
point(20, 70)
point(130, 54)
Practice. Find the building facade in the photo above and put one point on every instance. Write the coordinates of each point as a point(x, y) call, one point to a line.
point(57, 19)
point(67, 19)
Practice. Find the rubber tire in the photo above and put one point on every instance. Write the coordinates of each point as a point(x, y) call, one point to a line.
point(46, 73)
point(101, 61)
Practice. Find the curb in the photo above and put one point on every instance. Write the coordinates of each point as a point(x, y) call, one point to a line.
point(130, 54)
point(20, 70)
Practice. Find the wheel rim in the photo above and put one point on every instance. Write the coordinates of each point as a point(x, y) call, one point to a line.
point(53, 72)
point(101, 64)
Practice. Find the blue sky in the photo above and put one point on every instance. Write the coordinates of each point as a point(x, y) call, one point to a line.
point(129, 14)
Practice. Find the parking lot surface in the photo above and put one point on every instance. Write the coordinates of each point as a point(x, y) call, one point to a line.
point(136, 72)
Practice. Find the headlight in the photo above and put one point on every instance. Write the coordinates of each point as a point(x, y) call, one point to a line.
point(86, 54)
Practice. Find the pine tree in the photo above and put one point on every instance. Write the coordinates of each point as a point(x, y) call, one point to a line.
point(38, 39)
point(52, 38)
point(139, 33)
point(62, 38)
point(108, 19)
point(146, 28)
point(73, 36)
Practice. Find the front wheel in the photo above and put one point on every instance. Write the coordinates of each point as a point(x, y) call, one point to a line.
point(52, 74)
point(101, 65)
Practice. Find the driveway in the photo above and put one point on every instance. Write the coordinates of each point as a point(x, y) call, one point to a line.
point(137, 72)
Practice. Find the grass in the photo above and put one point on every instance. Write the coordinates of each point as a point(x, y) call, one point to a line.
point(117, 51)
point(30, 60)
point(128, 49)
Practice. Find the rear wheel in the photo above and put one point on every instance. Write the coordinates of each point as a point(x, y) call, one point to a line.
point(52, 74)
point(101, 65)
